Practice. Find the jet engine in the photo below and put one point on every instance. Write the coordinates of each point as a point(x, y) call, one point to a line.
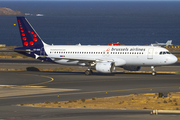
point(132, 68)
point(105, 67)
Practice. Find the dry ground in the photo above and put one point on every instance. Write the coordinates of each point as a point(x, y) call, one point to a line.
point(135, 101)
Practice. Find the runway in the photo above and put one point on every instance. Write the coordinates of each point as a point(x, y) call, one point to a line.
point(34, 87)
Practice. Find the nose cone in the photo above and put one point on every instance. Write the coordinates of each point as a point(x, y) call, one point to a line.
point(173, 59)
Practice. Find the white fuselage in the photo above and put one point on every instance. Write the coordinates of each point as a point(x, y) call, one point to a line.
point(100, 58)
point(120, 55)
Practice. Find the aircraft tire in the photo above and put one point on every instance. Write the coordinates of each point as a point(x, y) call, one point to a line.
point(88, 72)
point(153, 73)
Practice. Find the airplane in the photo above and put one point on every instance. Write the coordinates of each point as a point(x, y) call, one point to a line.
point(103, 59)
point(168, 43)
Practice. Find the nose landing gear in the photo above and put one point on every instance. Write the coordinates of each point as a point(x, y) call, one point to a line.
point(153, 71)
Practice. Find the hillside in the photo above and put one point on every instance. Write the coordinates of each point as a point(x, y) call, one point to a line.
point(8, 11)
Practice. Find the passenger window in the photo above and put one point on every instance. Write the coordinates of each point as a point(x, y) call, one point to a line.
point(160, 53)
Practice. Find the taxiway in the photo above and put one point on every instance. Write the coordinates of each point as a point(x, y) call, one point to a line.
point(33, 87)
point(20, 87)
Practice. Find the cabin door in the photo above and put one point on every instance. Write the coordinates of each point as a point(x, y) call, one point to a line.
point(150, 53)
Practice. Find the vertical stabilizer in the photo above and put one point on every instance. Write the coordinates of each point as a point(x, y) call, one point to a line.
point(29, 37)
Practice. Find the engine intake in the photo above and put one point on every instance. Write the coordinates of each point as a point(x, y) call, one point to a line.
point(105, 67)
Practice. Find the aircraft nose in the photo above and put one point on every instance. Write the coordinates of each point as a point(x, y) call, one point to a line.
point(173, 59)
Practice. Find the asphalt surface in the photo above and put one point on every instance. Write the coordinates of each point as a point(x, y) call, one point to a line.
point(18, 87)
point(79, 86)
point(24, 63)
point(35, 61)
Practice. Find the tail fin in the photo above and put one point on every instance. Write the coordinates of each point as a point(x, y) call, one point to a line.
point(29, 37)
point(168, 42)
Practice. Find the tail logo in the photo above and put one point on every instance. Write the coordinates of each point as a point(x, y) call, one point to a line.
point(27, 35)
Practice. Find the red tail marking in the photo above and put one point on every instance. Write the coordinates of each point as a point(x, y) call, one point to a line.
point(24, 38)
point(35, 39)
point(31, 43)
point(35, 35)
point(19, 22)
point(26, 43)
point(23, 34)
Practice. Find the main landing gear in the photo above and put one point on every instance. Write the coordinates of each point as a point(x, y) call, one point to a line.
point(153, 71)
point(88, 72)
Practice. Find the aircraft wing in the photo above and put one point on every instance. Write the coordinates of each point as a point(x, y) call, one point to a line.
point(82, 60)
point(73, 59)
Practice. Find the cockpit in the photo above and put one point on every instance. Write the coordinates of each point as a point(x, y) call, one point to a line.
point(164, 52)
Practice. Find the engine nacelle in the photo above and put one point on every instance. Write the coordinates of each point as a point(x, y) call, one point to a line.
point(132, 68)
point(105, 67)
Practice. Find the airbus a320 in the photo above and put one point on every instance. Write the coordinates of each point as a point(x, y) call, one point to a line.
point(103, 59)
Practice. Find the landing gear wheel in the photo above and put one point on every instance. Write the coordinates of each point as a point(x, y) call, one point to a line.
point(153, 73)
point(88, 72)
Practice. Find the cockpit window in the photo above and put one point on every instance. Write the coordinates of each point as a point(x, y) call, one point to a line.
point(168, 53)
point(164, 52)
